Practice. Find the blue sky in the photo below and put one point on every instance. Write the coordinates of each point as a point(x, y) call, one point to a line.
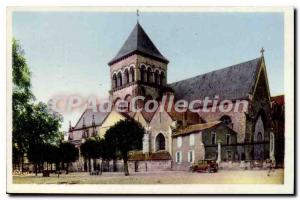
point(68, 52)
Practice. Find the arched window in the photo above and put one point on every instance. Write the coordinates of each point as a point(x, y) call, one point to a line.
point(226, 120)
point(143, 70)
point(119, 82)
point(131, 75)
point(156, 78)
point(126, 76)
point(128, 100)
point(160, 142)
point(116, 102)
point(149, 75)
point(162, 78)
point(115, 84)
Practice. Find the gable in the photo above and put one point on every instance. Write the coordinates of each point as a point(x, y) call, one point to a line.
point(112, 118)
point(140, 118)
point(88, 116)
point(161, 120)
point(261, 87)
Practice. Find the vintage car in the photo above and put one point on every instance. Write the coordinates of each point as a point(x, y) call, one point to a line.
point(205, 166)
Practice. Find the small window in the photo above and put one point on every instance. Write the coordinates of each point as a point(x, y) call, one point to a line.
point(179, 142)
point(192, 140)
point(178, 157)
point(213, 138)
point(228, 139)
point(191, 156)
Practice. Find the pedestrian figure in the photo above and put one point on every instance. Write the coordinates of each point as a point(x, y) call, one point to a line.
point(270, 165)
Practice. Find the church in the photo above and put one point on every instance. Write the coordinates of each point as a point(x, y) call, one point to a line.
point(176, 140)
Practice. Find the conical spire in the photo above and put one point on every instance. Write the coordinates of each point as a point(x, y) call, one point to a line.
point(140, 43)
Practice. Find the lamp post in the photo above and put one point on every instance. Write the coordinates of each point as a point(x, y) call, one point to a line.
point(146, 145)
point(272, 147)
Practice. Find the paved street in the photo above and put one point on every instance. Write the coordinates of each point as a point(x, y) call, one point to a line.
point(166, 177)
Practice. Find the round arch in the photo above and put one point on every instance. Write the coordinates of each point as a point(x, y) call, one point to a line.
point(114, 80)
point(160, 142)
point(126, 76)
point(131, 71)
point(143, 73)
point(149, 75)
point(119, 79)
point(162, 78)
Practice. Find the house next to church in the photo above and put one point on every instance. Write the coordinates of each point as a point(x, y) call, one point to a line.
point(175, 140)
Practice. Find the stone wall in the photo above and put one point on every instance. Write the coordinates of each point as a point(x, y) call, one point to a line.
point(238, 120)
point(136, 61)
point(185, 148)
point(152, 165)
point(211, 150)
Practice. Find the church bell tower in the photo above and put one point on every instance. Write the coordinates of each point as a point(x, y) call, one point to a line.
point(138, 69)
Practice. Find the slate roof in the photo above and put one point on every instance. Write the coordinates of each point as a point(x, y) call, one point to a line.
point(231, 83)
point(88, 118)
point(196, 128)
point(138, 42)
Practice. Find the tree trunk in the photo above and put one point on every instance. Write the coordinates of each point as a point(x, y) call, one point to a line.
point(114, 165)
point(36, 169)
point(101, 167)
point(67, 168)
point(126, 167)
point(22, 162)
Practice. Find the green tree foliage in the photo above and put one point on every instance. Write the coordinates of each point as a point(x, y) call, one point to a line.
point(34, 125)
point(124, 136)
point(68, 153)
point(21, 99)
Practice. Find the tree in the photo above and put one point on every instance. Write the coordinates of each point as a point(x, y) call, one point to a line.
point(124, 136)
point(36, 155)
point(40, 127)
point(69, 153)
point(108, 152)
point(34, 125)
point(52, 155)
point(91, 149)
point(21, 99)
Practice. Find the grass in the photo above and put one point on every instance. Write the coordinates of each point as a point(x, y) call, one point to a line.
point(166, 177)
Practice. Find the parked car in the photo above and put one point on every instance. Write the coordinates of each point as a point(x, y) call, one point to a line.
point(205, 166)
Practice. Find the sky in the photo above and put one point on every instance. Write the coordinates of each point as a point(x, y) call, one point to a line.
point(68, 52)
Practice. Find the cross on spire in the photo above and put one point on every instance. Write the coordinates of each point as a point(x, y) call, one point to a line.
point(262, 51)
point(137, 15)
